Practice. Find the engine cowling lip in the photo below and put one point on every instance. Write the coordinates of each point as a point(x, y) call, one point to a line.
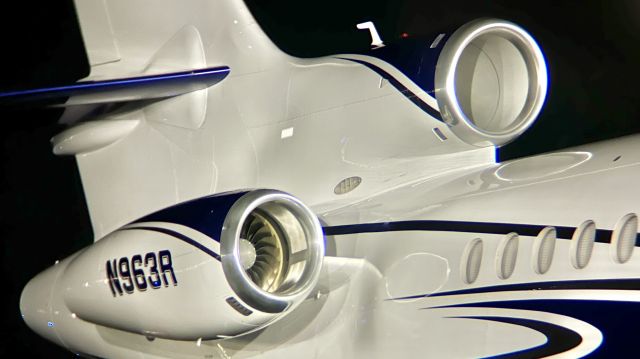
point(445, 89)
point(236, 276)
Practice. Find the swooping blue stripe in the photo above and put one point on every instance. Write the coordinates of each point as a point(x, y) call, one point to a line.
point(181, 237)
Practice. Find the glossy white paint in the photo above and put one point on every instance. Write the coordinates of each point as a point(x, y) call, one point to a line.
point(92, 136)
point(305, 126)
point(202, 310)
point(97, 30)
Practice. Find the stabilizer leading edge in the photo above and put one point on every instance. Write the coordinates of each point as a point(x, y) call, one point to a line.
point(125, 89)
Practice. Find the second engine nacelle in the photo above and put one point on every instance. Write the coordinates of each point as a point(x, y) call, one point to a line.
point(214, 267)
point(490, 82)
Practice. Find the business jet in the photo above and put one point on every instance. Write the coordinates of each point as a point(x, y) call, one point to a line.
point(248, 203)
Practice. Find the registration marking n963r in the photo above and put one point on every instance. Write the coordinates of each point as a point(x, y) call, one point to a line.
point(127, 274)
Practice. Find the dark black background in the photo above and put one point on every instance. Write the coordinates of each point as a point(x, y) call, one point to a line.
point(591, 49)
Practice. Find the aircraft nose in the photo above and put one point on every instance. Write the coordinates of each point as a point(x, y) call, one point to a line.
point(35, 304)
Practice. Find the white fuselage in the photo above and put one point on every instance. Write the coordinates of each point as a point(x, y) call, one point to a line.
point(433, 249)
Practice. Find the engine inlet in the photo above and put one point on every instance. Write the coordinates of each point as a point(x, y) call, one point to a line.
point(272, 248)
point(491, 82)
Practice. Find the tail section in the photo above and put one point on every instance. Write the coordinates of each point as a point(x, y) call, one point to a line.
point(137, 158)
point(132, 38)
point(304, 126)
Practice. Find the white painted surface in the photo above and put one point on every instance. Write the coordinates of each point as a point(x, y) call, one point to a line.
point(346, 124)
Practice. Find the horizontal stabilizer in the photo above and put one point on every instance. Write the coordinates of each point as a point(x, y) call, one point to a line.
point(124, 89)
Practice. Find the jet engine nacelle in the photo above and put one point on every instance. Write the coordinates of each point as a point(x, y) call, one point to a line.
point(490, 82)
point(213, 267)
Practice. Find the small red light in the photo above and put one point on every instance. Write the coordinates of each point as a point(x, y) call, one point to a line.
point(404, 35)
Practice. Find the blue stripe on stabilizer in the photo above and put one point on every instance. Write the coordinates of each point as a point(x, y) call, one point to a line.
point(126, 89)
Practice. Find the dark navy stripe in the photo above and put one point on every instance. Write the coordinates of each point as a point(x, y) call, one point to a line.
point(414, 57)
point(599, 284)
point(614, 319)
point(559, 338)
point(400, 87)
point(204, 214)
point(142, 87)
point(602, 235)
point(180, 237)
